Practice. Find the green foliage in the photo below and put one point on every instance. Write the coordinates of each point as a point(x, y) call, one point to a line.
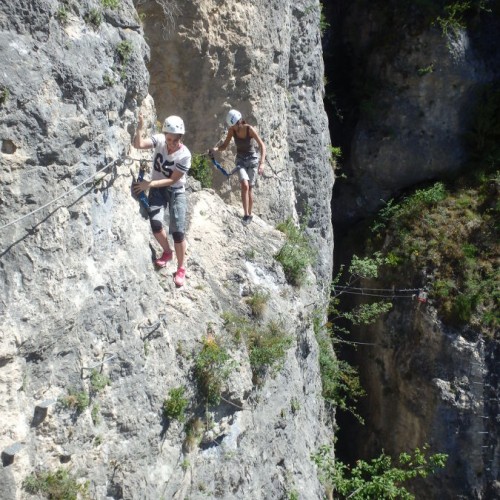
point(62, 14)
point(454, 17)
point(324, 25)
point(341, 386)
point(201, 170)
point(95, 414)
point(426, 70)
point(124, 50)
point(110, 4)
point(194, 433)
point(267, 348)
point(93, 17)
point(174, 407)
point(410, 208)
point(238, 326)
point(340, 382)
point(380, 478)
point(258, 302)
point(213, 366)
point(296, 254)
point(108, 80)
point(76, 400)
point(452, 234)
point(98, 381)
point(58, 485)
point(4, 95)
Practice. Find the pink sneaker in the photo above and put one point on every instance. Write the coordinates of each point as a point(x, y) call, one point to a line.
point(180, 276)
point(166, 257)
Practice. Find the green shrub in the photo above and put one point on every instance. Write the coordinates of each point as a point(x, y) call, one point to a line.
point(4, 95)
point(95, 414)
point(62, 14)
point(76, 400)
point(380, 478)
point(110, 4)
point(212, 367)
point(98, 381)
point(174, 407)
point(124, 50)
point(94, 17)
point(267, 348)
point(296, 254)
point(258, 302)
point(201, 170)
point(58, 485)
point(454, 237)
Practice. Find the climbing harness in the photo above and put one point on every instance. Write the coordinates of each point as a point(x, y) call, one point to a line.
point(64, 194)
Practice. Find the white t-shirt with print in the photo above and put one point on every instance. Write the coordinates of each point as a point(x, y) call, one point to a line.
point(165, 164)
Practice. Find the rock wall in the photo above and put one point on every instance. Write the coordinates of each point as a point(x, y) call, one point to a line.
point(78, 289)
point(414, 90)
point(427, 383)
point(407, 93)
point(264, 59)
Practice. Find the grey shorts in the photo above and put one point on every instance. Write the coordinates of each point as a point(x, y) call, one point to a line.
point(176, 201)
point(247, 168)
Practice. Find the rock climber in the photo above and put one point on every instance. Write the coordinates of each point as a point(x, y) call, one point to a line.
point(247, 160)
point(171, 163)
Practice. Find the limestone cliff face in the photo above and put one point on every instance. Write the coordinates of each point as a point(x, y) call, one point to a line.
point(78, 290)
point(264, 59)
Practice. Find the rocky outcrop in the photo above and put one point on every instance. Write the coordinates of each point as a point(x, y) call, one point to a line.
point(428, 383)
point(415, 91)
point(78, 289)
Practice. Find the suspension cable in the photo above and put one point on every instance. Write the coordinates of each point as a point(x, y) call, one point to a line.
point(62, 195)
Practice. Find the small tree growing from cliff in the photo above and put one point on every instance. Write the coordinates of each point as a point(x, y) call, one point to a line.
point(341, 386)
point(380, 478)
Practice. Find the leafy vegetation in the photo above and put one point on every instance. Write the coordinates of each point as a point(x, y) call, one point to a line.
point(296, 254)
point(449, 238)
point(258, 301)
point(341, 386)
point(174, 407)
point(93, 17)
point(124, 50)
point(76, 400)
point(201, 170)
point(380, 478)
point(267, 349)
point(267, 346)
point(62, 14)
point(98, 381)
point(4, 95)
point(110, 4)
point(213, 366)
point(58, 485)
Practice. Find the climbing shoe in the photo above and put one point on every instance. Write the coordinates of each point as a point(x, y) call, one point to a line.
point(166, 257)
point(246, 220)
point(180, 276)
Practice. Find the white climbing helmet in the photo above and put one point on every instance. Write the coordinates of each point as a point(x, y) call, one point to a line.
point(173, 125)
point(233, 117)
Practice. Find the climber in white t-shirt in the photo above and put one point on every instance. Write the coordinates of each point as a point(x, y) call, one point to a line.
point(171, 163)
